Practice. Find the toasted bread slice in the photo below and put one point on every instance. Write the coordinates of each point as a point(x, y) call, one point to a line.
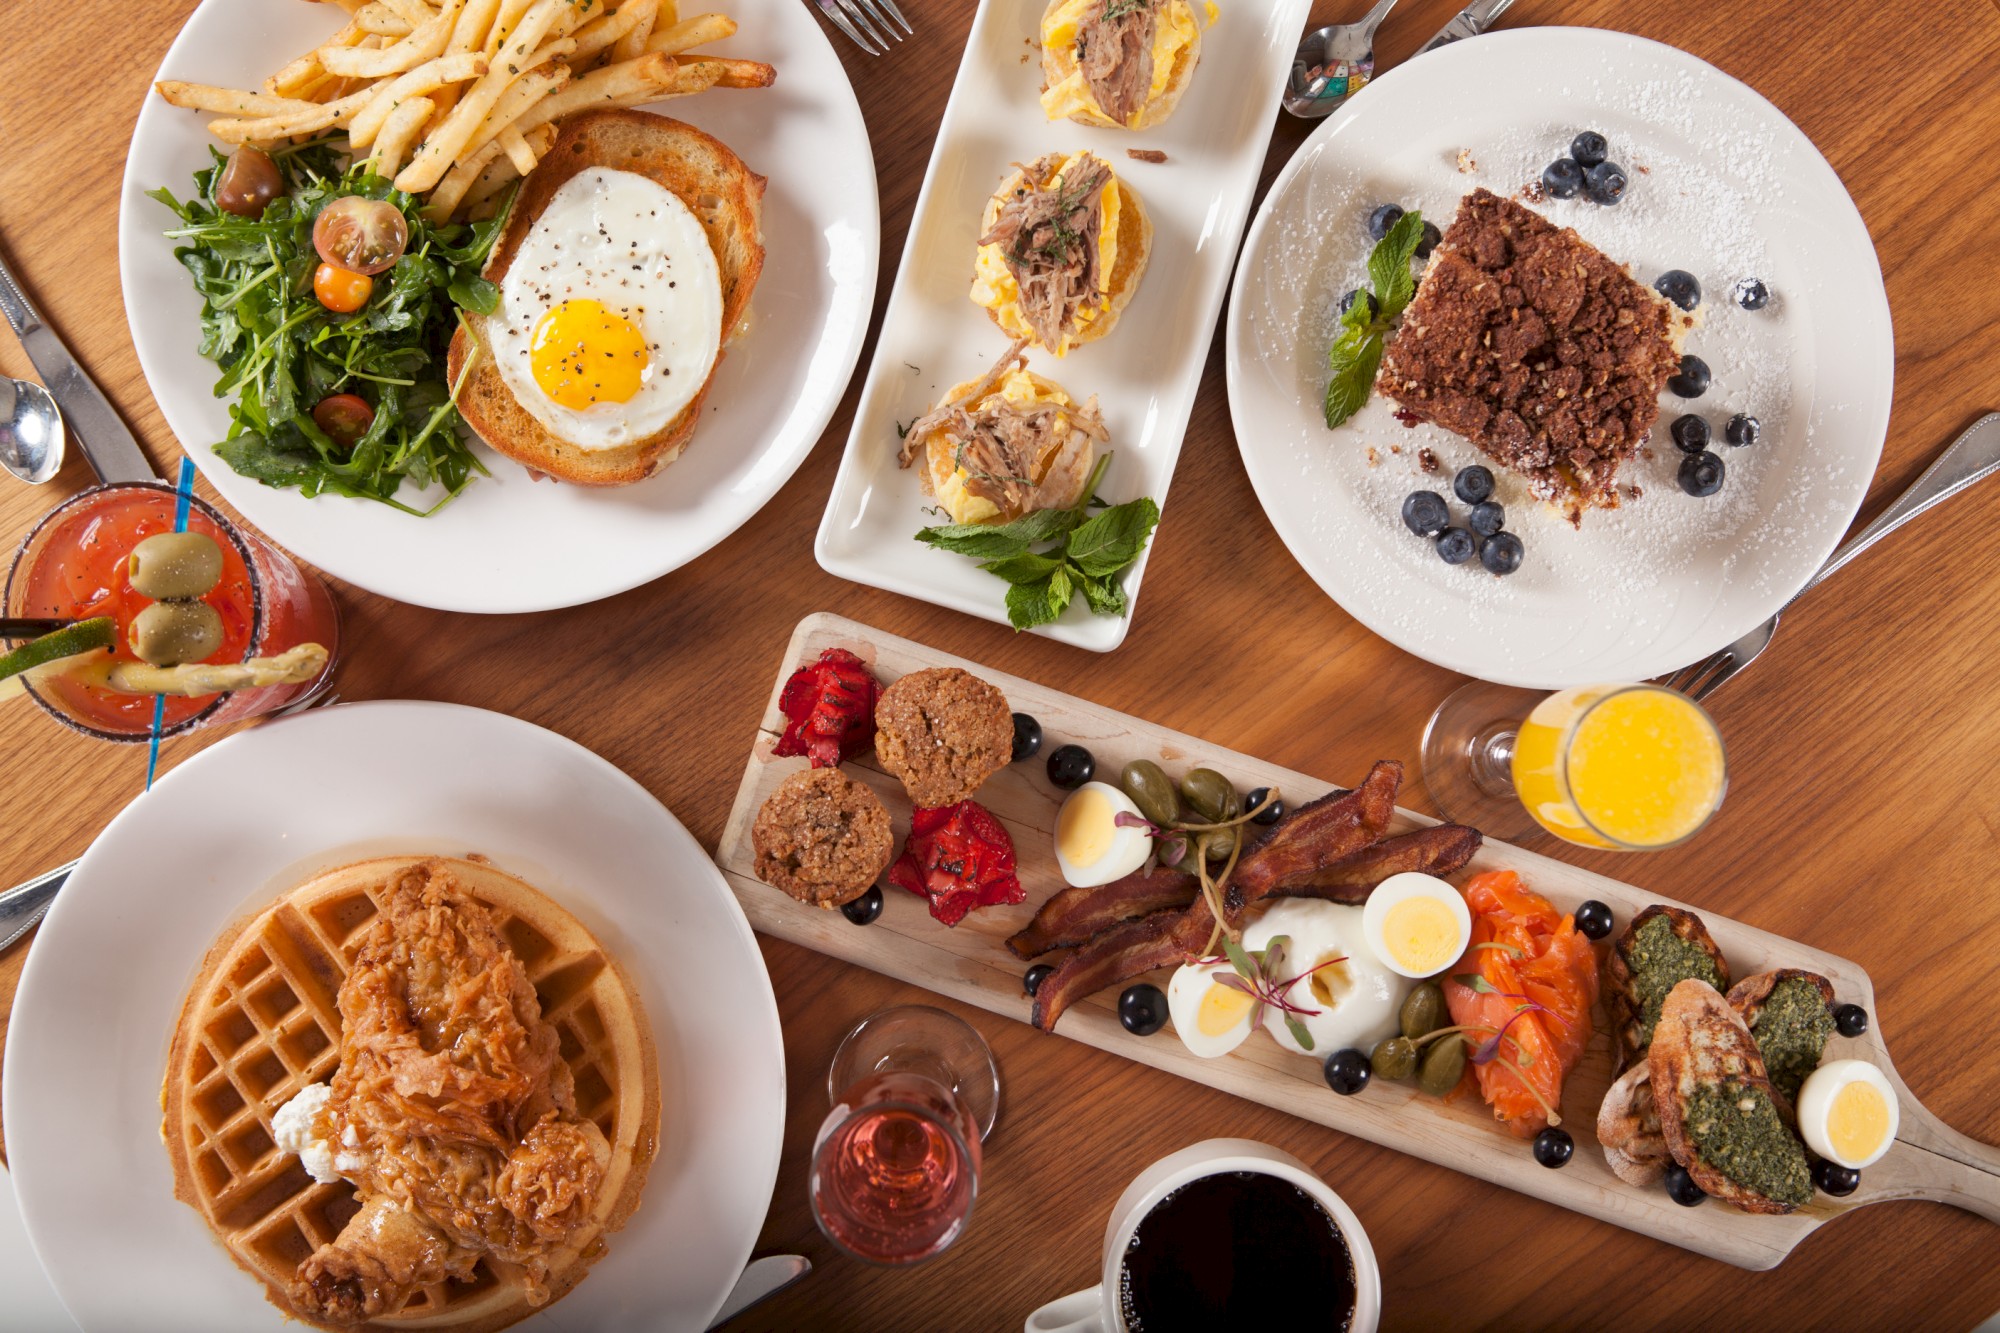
point(724, 194)
point(1059, 62)
point(1628, 1128)
point(1646, 964)
point(1718, 1112)
point(1790, 1013)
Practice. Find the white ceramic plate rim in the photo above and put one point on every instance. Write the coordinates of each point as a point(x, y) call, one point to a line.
point(1865, 316)
point(522, 545)
point(81, 1107)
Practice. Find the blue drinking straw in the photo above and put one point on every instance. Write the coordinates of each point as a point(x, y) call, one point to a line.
point(181, 492)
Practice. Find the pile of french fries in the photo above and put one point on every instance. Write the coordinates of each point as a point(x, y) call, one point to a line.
point(456, 99)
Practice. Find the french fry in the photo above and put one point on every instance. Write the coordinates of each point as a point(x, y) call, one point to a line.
point(633, 44)
point(425, 42)
point(734, 73)
point(307, 69)
point(399, 136)
point(416, 13)
point(505, 22)
point(531, 88)
point(548, 51)
point(422, 80)
point(697, 31)
point(517, 150)
point(601, 34)
point(377, 17)
point(500, 172)
point(446, 142)
point(232, 101)
point(629, 83)
point(452, 186)
point(323, 116)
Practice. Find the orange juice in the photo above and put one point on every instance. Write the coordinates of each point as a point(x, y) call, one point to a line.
point(1620, 766)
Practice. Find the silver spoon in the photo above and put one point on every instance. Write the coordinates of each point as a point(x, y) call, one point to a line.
point(31, 431)
point(1332, 64)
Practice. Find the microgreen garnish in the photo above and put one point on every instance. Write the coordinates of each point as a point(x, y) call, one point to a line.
point(1357, 352)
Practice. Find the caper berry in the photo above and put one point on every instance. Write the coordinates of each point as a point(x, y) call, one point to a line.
point(1151, 790)
point(1395, 1057)
point(1221, 844)
point(170, 633)
point(1210, 795)
point(1423, 1010)
point(1444, 1064)
point(172, 566)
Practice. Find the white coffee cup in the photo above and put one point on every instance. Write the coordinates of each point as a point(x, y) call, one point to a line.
point(1097, 1310)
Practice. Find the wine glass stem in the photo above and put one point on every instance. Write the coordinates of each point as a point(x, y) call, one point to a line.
point(1492, 759)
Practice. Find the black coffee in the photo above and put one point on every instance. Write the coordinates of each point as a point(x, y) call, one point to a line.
point(1240, 1249)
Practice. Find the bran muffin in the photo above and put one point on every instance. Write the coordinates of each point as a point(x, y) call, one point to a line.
point(943, 731)
point(822, 837)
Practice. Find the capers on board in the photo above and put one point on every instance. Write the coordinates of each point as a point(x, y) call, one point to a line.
point(1423, 1010)
point(1151, 790)
point(1395, 1057)
point(1210, 795)
point(1444, 1064)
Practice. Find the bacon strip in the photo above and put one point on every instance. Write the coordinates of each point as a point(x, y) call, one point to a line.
point(1128, 950)
point(1075, 915)
point(1431, 851)
point(1319, 833)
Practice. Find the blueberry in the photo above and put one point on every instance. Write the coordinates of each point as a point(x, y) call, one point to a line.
point(1679, 286)
point(1037, 974)
point(1701, 474)
point(1143, 1009)
point(1593, 918)
point(1360, 294)
point(1589, 148)
point(1027, 737)
point(863, 910)
point(1835, 1179)
point(1604, 183)
point(1752, 294)
point(1562, 178)
point(1071, 766)
point(1692, 382)
point(1554, 1147)
point(1425, 513)
point(1501, 553)
point(1428, 239)
point(1472, 484)
point(1741, 430)
point(1681, 1187)
point(1383, 218)
point(1850, 1020)
point(1456, 546)
point(1348, 1071)
point(1691, 433)
point(1269, 814)
point(1487, 517)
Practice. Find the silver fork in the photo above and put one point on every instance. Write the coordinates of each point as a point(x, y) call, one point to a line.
point(871, 23)
point(1970, 458)
point(24, 904)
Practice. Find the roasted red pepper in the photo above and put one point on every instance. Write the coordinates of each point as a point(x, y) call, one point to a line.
point(829, 709)
point(959, 857)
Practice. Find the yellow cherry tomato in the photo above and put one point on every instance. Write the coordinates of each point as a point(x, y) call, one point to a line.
point(341, 290)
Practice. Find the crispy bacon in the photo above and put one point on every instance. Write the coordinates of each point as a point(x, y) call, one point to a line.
point(1075, 915)
point(1432, 851)
point(1318, 834)
point(1136, 947)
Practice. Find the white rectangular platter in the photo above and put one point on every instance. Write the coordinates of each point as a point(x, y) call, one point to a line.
point(1144, 372)
point(971, 963)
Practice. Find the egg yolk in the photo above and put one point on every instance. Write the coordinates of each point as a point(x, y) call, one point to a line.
point(1221, 1010)
point(1858, 1121)
point(1421, 934)
point(583, 354)
point(1085, 829)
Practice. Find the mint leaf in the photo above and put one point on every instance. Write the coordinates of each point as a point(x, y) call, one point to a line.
point(1113, 539)
point(1106, 596)
point(1389, 265)
point(1025, 568)
point(1028, 605)
point(985, 542)
point(1061, 590)
point(1354, 365)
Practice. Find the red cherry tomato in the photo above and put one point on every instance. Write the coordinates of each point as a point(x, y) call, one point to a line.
point(345, 417)
point(360, 235)
point(341, 290)
point(249, 181)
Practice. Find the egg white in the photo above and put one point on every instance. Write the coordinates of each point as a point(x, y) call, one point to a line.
point(1816, 1096)
point(1125, 851)
point(1356, 1001)
point(1400, 889)
point(1190, 985)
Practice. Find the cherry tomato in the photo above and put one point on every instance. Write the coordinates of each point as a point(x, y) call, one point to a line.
point(249, 181)
point(360, 235)
point(341, 290)
point(345, 417)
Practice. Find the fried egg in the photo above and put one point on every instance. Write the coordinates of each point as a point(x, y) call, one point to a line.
point(1848, 1113)
point(1347, 997)
point(610, 316)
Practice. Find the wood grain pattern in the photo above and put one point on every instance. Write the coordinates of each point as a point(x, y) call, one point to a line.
point(1864, 812)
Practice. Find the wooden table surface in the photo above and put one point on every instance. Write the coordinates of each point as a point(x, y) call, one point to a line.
point(1864, 813)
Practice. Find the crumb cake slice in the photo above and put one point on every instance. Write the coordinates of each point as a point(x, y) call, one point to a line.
point(1537, 347)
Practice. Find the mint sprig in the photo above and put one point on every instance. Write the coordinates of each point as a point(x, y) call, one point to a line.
point(1357, 354)
point(1082, 553)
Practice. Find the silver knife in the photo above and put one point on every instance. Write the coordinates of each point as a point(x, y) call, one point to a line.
point(112, 452)
point(1474, 19)
point(762, 1278)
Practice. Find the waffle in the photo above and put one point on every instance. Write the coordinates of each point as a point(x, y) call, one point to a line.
point(262, 1022)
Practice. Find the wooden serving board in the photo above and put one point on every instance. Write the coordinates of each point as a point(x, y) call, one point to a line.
point(971, 963)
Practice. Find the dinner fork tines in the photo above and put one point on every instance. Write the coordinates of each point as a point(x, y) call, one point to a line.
point(871, 23)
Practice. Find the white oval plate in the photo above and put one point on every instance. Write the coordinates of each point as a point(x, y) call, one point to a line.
point(238, 824)
point(1722, 185)
point(510, 543)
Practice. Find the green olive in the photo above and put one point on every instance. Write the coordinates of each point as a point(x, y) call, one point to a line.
point(170, 633)
point(1423, 1010)
point(174, 566)
point(1210, 795)
point(1444, 1064)
point(1151, 790)
point(1221, 844)
point(1395, 1057)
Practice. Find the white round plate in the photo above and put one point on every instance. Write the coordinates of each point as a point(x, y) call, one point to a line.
point(1721, 185)
point(238, 824)
point(511, 543)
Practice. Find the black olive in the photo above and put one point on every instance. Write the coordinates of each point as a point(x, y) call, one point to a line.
point(1348, 1071)
point(1143, 1009)
point(1681, 1187)
point(1071, 766)
point(863, 910)
point(1835, 1179)
point(1593, 918)
point(1269, 814)
point(1850, 1020)
point(1036, 976)
point(1553, 1147)
point(1027, 737)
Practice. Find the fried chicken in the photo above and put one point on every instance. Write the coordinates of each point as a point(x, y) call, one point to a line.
point(452, 1112)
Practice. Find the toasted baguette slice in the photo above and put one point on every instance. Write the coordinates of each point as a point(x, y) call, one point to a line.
point(1702, 1052)
point(1628, 1128)
point(1633, 993)
point(1059, 62)
point(724, 194)
point(1790, 1051)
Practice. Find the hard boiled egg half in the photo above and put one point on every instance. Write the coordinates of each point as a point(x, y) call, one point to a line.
point(1417, 924)
point(1091, 847)
point(1210, 1017)
point(1346, 996)
point(1847, 1112)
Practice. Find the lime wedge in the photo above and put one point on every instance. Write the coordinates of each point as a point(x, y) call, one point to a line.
point(85, 636)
